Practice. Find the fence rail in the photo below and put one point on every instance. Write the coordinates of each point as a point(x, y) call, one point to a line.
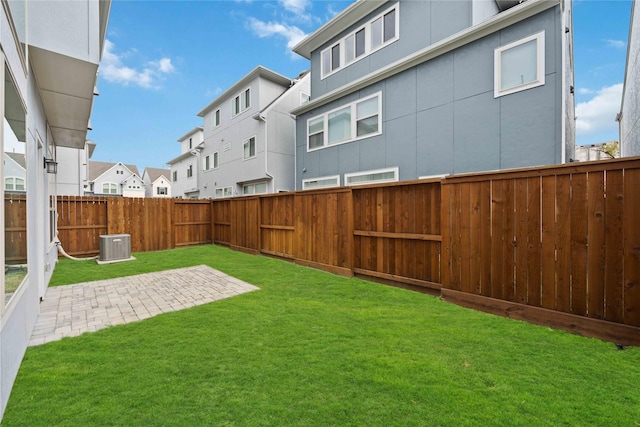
point(556, 245)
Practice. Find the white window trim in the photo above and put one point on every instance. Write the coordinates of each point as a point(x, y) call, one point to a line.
point(255, 147)
point(213, 119)
point(240, 95)
point(266, 188)
point(354, 123)
point(497, 67)
point(110, 184)
point(367, 42)
point(223, 190)
point(321, 178)
point(395, 170)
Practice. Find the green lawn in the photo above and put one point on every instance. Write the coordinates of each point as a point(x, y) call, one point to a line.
point(314, 349)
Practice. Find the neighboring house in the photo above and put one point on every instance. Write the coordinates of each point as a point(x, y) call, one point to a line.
point(114, 179)
point(408, 89)
point(15, 173)
point(50, 51)
point(184, 168)
point(602, 151)
point(157, 182)
point(249, 136)
point(72, 177)
point(629, 116)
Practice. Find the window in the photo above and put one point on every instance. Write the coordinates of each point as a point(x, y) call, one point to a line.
point(304, 98)
point(375, 34)
point(369, 177)
point(360, 119)
point(161, 191)
point(250, 148)
point(216, 118)
point(223, 192)
point(175, 176)
point(190, 143)
point(14, 184)
point(190, 171)
point(109, 188)
point(241, 102)
point(519, 65)
point(322, 182)
point(210, 162)
point(258, 188)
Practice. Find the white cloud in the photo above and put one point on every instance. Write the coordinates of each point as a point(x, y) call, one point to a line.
point(598, 114)
point(291, 33)
point(617, 44)
point(114, 70)
point(584, 91)
point(297, 7)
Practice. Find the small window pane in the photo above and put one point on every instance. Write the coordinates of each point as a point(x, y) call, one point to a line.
point(376, 33)
point(316, 125)
point(519, 65)
point(8, 183)
point(246, 100)
point(218, 192)
point(360, 43)
point(261, 188)
point(367, 108)
point(390, 25)
point(227, 191)
point(248, 189)
point(367, 126)
point(335, 57)
point(316, 140)
point(326, 61)
point(349, 48)
point(215, 160)
point(340, 125)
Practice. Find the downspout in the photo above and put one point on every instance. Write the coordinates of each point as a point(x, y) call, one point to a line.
point(266, 146)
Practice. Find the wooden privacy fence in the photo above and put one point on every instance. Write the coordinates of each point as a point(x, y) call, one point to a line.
point(390, 232)
point(558, 246)
point(153, 223)
point(15, 228)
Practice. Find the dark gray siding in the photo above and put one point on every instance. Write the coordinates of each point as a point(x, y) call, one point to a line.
point(441, 117)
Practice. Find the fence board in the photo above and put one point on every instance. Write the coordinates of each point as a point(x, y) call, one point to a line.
point(548, 292)
point(596, 239)
point(563, 243)
point(534, 238)
point(521, 239)
point(579, 244)
point(632, 247)
point(614, 254)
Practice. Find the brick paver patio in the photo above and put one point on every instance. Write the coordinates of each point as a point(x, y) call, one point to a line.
point(69, 311)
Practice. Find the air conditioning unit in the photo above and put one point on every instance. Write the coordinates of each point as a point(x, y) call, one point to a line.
point(115, 247)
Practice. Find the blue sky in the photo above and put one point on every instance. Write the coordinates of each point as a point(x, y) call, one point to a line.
point(166, 60)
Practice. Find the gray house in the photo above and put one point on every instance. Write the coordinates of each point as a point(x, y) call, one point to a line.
point(249, 136)
point(408, 89)
point(629, 116)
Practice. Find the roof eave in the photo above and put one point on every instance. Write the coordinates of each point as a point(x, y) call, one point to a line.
point(336, 25)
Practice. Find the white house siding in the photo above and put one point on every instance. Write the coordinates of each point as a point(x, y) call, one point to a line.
point(71, 179)
point(160, 183)
point(630, 120)
point(184, 186)
point(60, 34)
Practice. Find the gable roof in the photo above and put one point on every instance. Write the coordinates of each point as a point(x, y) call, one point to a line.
point(259, 71)
point(96, 169)
point(19, 158)
point(155, 173)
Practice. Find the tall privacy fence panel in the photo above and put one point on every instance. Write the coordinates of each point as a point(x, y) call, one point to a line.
point(553, 240)
point(557, 245)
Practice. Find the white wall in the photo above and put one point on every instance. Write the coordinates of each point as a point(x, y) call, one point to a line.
point(630, 121)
